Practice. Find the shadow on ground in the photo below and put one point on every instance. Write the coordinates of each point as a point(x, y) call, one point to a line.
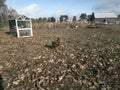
point(1, 81)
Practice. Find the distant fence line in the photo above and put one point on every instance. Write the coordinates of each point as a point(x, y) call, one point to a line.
point(50, 25)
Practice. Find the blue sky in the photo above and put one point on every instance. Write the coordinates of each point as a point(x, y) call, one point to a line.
point(48, 8)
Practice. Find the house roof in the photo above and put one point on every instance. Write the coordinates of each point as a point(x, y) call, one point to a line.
point(105, 15)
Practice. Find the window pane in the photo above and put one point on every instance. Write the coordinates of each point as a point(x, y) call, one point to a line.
point(23, 24)
point(24, 33)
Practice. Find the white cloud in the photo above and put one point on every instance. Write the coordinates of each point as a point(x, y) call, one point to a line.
point(32, 11)
point(60, 12)
point(108, 5)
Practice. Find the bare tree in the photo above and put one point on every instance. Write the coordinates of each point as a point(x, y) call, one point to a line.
point(3, 12)
point(2, 2)
point(12, 13)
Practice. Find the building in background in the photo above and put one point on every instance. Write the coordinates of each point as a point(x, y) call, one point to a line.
point(105, 17)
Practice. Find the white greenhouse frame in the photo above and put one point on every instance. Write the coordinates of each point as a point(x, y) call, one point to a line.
point(21, 26)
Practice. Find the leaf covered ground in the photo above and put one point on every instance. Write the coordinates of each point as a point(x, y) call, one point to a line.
point(87, 59)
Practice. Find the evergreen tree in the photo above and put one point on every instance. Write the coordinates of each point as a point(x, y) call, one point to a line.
point(74, 19)
point(63, 18)
point(53, 19)
point(92, 17)
point(83, 16)
point(119, 17)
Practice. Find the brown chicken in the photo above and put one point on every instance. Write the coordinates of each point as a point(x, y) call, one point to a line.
point(55, 43)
